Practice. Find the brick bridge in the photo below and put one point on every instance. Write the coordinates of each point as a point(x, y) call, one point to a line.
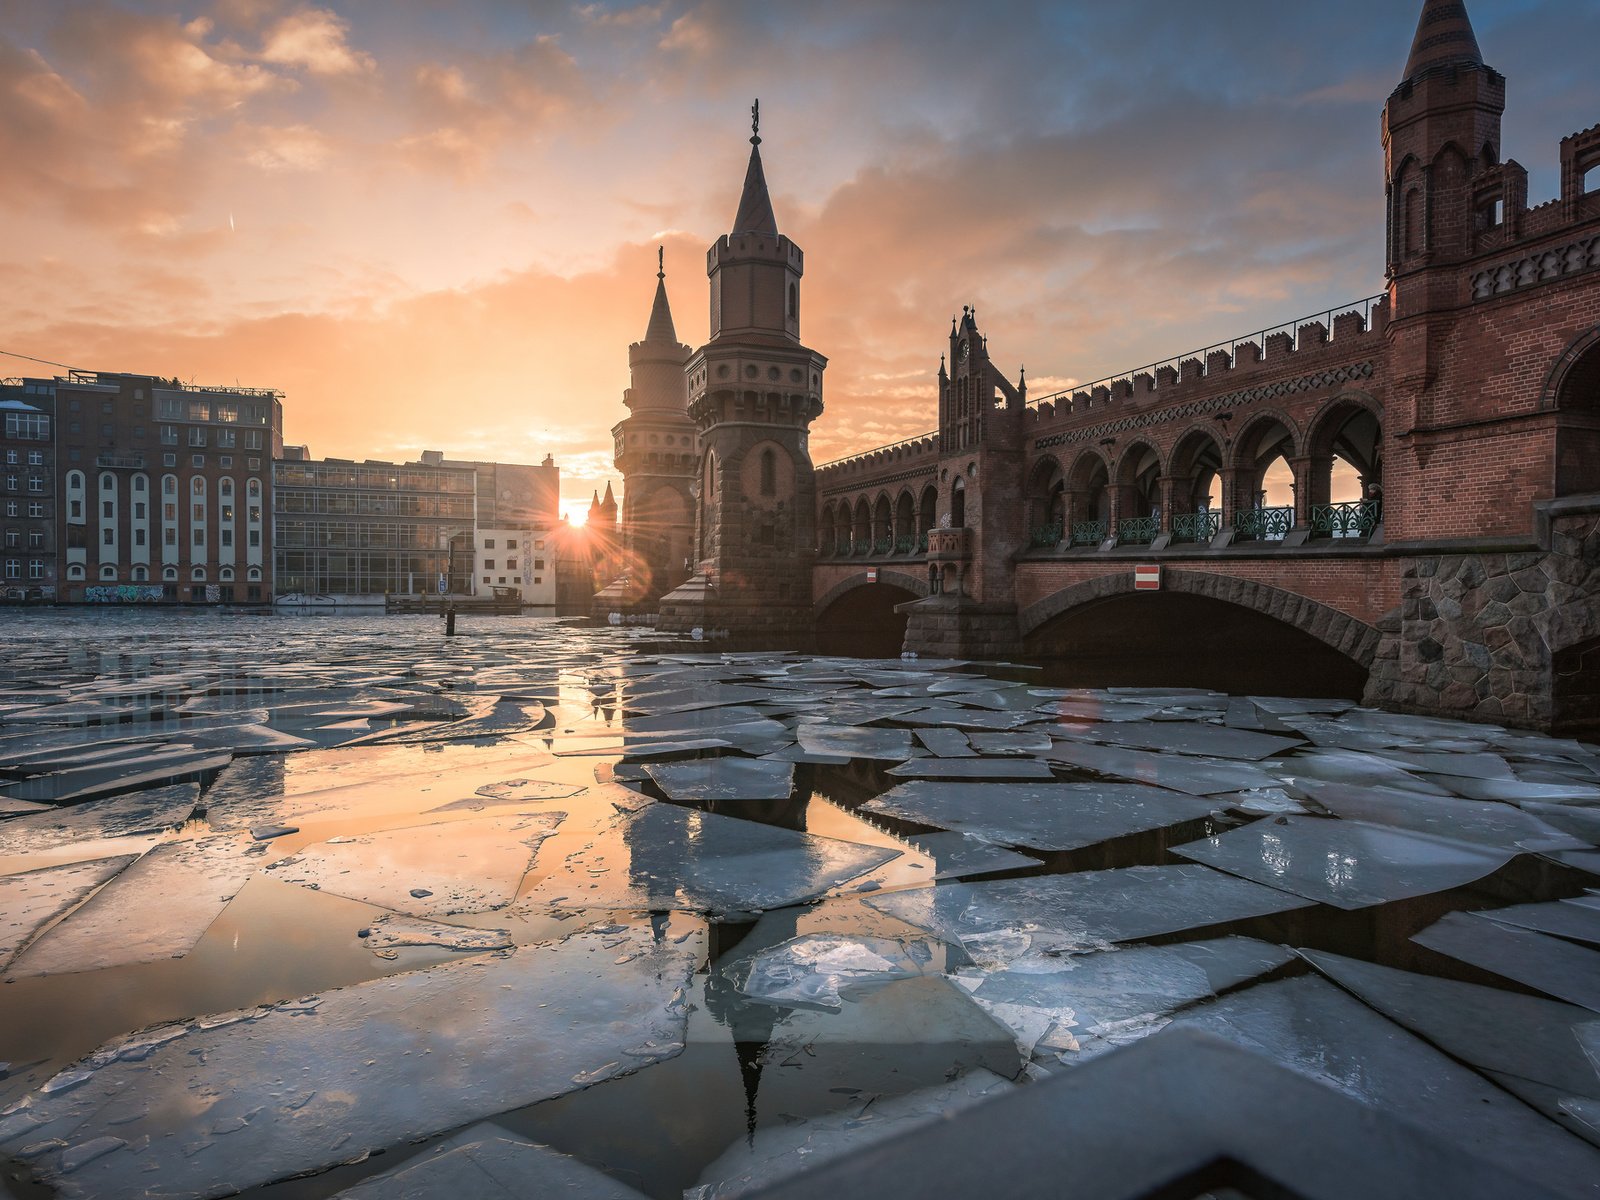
point(1398, 499)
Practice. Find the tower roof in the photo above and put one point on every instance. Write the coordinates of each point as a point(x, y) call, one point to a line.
point(661, 328)
point(1444, 39)
point(755, 205)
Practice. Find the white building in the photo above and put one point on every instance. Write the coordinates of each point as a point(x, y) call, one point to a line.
point(519, 558)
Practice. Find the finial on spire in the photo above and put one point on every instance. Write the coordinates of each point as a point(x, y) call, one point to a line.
point(755, 123)
point(661, 262)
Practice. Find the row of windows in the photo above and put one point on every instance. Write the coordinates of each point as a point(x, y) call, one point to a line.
point(35, 483)
point(35, 539)
point(141, 573)
point(35, 458)
point(28, 427)
point(169, 484)
point(14, 569)
point(511, 544)
point(169, 535)
point(175, 408)
point(169, 512)
point(35, 509)
point(511, 565)
point(491, 581)
point(384, 535)
point(367, 504)
point(377, 479)
point(357, 572)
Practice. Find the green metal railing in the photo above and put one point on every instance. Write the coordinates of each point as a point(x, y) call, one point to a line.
point(1263, 524)
point(922, 542)
point(883, 545)
point(1138, 531)
point(864, 546)
point(1089, 533)
point(1350, 519)
point(1196, 527)
point(1046, 535)
point(905, 545)
point(841, 546)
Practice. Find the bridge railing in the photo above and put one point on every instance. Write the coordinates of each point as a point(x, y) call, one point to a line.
point(1325, 320)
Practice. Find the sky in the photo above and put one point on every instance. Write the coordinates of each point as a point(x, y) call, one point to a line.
point(433, 223)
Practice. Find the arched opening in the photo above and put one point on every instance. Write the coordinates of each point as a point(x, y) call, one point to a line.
point(1263, 502)
point(1578, 422)
point(863, 624)
point(1196, 492)
point(927, 516)
point(769, 473)
point(861, 528)
point(1088, 501)
point(794, 302)
point(1047, 503)
point(108, 573)
point(1138, 492)
point(905, 524)
point(1177, 639)
point(1576, 699)
point(1346, 475)
point(958, 505)
point(882, 533)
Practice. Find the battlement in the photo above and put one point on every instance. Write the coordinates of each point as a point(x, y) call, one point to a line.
point(1176, 377)
point(910, 452)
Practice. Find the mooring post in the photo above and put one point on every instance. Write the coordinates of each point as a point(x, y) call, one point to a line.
point(450, 621)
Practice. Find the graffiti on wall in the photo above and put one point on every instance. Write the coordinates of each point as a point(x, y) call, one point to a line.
point(123, 593)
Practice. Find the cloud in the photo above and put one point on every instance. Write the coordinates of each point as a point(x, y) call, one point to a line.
point(291, 148)
point(315, 39)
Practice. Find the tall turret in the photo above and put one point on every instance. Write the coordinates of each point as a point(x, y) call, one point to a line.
point(754, 390)
point(654, 448)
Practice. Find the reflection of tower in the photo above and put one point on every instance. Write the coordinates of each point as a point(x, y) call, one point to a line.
point(754, 390)
point(655, 451)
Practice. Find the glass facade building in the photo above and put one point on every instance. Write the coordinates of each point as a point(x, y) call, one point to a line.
point(370, 528)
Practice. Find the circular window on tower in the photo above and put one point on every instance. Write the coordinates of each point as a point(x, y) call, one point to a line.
point(773, 373)
point(722, 371)
point(751, 371)
point(797, 376)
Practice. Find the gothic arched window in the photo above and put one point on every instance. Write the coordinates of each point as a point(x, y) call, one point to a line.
point(769, 473)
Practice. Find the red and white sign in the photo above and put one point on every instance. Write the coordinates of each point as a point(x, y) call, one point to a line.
point(1147, 578)
point(872, 574)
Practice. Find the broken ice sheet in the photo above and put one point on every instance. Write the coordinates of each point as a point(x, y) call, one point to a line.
point(959, 854)
point(142, 767)
point(1182, 773)
point(855, 741)
point(1051, 817)
point(1555, 967)
point(1479, 822)
point(466, 866)
point(1310, 1026)
point(777, 1152)
point(1519, 1040)
point(29, 900)
point(510, 792)
point(972, 768)
point(160, 907)
point(148, 812)
point(668, 857)
point(1348, 864)
point(1351, 767)
point(1187, 737)
point(486, 1162)
point(398, 929)
point(998, 921)
point(724, 778)
point(1517, 791)
point(1076, 1007)
point(1576, 922)
point(825, 969)
point(302, 1087)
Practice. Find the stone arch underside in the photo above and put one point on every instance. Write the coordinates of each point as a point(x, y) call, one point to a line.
point(857, 616)
point(1348, 636)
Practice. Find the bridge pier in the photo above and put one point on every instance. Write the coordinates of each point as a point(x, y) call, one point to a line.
point(739, 621)
point(956, 626)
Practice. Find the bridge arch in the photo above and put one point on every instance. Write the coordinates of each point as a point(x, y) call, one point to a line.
point(1221, 631)
point(1088, 497)
point(1137, 480)
point(1572, 389)
point(857, 616)
point(1347, 429)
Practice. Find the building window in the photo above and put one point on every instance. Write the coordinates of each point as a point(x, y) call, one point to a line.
point(35, 569)
point(169, 512)
point(255, 537)
point(36, 483)
point(11, 508)
point(74, 570)
point(486, 579)
point(169, 485)
point(107, 509)
point(141, 574)
point(252, 441)
point(36, 458)
point(35, 540)
point(488, 564)
point(511, 564)
point(138, 537)
point(227, 537)
point(108, 572)
point(138, 510)
point(14, 569)
point(511, 543)
point(197, 512)
point(13, 539)
point(199, 538)
point(138, 483)
point(225, 461)
point(197, 486)
point(11, 483)
point(75, 510)
point(538, 563)
point(108, 537)
point(488, 543)
point(169, 460)
point(11, 458)
point(169, 436)
point(171, 537)
point(197, 460)
point(36, 509)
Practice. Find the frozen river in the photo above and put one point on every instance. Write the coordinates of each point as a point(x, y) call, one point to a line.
point(339, 902)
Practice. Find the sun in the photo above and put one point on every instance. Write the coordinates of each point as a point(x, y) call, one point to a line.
point(577, 515)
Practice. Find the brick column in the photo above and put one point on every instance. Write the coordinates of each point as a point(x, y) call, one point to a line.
point(1170, 490)
point(1238, 492)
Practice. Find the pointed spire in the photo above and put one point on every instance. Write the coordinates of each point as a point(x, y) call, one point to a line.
point(661, 328)
point(1444, 39)
point(755, 205)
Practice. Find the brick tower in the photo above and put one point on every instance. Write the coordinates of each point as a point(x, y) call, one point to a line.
point(655, 451)
point(754, 390)
point(972, 611)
